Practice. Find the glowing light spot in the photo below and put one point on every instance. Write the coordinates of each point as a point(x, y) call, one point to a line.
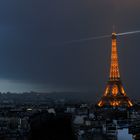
point(100, 103)
point(115, 90)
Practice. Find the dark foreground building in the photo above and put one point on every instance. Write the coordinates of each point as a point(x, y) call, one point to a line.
point(45, 126)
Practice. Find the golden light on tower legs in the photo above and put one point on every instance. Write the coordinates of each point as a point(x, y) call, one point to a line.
point(100, 104)
point(114, 94)
point(106, 91)
point(122, 91)
point(130, 103)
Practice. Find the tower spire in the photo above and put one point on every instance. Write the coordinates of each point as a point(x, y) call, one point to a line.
point(114, 67)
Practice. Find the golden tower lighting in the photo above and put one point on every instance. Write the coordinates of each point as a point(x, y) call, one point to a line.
point(114, 94)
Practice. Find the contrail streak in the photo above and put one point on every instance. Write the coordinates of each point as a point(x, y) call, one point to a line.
point(101, 37)
point(87, 39)
point(127, 33)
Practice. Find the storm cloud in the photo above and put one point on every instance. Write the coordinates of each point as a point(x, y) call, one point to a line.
point(33, 55)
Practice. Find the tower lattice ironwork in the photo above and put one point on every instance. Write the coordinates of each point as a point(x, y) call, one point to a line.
point(114, 94)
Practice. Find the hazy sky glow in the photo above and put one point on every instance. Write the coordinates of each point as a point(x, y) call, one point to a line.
point(32, 52)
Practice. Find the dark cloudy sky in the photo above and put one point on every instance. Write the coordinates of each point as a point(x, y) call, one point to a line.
point(33, 56)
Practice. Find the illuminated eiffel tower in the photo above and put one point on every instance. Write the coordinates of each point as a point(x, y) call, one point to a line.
point(114, 94)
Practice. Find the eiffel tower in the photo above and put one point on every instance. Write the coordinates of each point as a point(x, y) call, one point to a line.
point(114, 94)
